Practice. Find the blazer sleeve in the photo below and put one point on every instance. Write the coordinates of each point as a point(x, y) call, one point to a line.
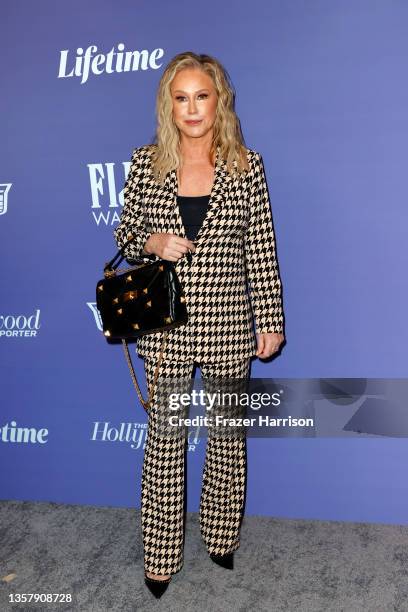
point(132, 216)
point(261, 260)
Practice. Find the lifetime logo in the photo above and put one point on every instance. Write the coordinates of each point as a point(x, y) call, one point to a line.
point(25, 435)
point(12, 326)
point(86, 62)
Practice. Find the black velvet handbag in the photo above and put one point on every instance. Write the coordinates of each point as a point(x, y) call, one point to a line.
point(145, 298)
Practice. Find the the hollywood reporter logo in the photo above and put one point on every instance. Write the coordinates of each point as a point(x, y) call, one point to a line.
point(12, 325)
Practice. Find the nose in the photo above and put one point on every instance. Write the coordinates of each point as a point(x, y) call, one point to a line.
point(192, 107)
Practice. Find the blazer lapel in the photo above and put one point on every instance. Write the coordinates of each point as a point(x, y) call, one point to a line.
point(217, 198)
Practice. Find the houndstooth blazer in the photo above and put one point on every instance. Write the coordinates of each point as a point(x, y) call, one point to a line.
point(233, 280)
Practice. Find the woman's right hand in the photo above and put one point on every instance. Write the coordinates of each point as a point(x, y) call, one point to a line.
point(168, 246)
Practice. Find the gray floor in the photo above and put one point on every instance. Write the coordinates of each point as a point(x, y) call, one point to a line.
point(282, 565)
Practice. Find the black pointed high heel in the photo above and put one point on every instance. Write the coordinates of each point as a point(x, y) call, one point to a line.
point(226, 561)
point(157, 587)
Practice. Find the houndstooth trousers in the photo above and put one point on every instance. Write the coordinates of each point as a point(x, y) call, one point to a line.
point(162, 496)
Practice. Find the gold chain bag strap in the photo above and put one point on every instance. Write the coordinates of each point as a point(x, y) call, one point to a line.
point(145, 403)
point(143, 299)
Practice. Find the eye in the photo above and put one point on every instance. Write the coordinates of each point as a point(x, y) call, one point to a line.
point(203, 95)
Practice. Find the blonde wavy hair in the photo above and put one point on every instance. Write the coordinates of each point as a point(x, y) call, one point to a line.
point(165, 150)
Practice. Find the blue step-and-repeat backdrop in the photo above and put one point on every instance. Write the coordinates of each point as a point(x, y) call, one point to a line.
point(322, 94)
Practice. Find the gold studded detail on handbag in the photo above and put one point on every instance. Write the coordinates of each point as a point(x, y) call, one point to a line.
point(143, 299)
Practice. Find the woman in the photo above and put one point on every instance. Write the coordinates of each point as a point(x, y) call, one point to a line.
point(198, 197)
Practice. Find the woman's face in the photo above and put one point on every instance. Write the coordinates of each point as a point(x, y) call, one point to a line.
point(194, 99)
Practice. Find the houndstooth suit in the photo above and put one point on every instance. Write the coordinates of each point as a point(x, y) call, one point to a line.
point(235, 247)
point(235, 250)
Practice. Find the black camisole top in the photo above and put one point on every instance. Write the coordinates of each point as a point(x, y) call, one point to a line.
point(192, 210)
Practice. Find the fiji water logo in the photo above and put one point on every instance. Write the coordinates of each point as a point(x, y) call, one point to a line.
point(11, 433)
point(19, 326)
point(88, 61)
point(106, 202)
point(4, 189)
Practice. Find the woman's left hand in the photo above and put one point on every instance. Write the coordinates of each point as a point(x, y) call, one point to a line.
point(268, 344)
